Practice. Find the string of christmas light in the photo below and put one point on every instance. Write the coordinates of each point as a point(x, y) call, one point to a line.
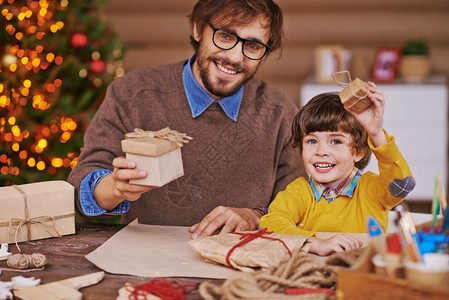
point(57, 59)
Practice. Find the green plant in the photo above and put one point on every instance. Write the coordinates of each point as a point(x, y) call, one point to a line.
point(416, 47)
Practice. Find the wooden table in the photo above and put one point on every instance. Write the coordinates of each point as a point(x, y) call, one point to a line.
point(66, 259)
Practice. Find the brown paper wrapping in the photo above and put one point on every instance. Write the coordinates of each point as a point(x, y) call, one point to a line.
point(156, 152)
point(161, 159)
point(257, 253)
point(36, 211)
point(354, 96)
point(156, 251)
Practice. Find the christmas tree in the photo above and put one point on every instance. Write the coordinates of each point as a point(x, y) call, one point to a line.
point(57, 57)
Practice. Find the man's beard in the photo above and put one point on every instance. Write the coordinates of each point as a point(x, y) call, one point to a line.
point(221, 87)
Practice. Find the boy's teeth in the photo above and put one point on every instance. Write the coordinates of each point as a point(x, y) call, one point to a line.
point(323, 165)
point(226, 70)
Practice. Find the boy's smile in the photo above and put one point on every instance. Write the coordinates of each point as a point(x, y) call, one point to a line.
point(329, 156)
point(323, 167)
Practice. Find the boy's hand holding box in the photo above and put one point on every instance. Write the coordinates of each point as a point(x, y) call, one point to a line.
point(156, 152)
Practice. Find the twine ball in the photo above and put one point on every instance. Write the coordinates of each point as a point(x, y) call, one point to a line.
point(26, 261)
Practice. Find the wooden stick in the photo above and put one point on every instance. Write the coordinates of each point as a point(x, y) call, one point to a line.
point(66, 289)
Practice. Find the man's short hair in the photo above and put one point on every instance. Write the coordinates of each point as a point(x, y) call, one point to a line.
point(241, 12)
point(325, 112)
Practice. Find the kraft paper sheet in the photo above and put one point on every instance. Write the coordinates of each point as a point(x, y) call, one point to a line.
point(154, 251)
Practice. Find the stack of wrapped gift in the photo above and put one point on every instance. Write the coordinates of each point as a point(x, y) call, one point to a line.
point(156, 152)
point(36, 211)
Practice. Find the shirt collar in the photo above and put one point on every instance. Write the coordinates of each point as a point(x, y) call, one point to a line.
point(345, 188)
point(199, 100)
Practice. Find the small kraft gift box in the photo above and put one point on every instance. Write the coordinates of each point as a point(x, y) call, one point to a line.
point(354, 94)
point(36, 211)
point(156, 152)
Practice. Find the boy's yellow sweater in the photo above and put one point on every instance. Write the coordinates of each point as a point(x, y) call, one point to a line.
point(295, 210)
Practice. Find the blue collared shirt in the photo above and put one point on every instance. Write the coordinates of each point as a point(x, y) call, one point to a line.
point(199, 100)
point(87, 201)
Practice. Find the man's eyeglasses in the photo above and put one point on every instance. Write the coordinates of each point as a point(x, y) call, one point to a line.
point(226, 40)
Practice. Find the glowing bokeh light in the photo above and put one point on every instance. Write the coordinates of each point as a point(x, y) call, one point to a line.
point(56, 162)
point(40, 165)
point(30, 126)
point(31, 162)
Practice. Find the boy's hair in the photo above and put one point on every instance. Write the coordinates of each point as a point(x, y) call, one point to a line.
point(238, 12)
point(325, 112)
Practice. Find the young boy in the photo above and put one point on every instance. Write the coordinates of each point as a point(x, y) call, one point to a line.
point(335, 144)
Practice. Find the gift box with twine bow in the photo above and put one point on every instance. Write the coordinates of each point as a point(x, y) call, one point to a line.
point(36, 211)
point(354, 94)
point(249, 250)
point(156, 152)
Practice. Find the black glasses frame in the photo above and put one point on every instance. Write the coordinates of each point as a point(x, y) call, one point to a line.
point(238, 40)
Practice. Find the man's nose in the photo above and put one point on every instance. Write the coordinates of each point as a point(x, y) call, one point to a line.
point(236, 54)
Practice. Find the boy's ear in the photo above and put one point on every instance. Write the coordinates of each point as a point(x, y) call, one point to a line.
point(359, 155)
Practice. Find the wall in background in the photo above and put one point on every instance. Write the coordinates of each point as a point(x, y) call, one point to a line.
point(157, 32)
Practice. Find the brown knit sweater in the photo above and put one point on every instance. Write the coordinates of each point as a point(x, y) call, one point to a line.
point(237, 164)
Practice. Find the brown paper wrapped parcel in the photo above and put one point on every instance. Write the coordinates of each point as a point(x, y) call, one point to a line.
point(36, 211)
point(255, 254)
point(156, 152)
point(355, 95)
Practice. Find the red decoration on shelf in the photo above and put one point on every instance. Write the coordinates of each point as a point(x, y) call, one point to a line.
point(97, 66)
point(78, 40)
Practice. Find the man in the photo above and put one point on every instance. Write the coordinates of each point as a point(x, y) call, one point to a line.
point(240, 155)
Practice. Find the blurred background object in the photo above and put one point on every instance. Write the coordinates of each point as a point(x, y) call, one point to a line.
point(385, 65)
point(415, 61)
point(57, 58)
point(330, 59)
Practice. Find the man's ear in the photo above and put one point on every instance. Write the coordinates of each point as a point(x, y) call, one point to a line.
point(196, 33)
